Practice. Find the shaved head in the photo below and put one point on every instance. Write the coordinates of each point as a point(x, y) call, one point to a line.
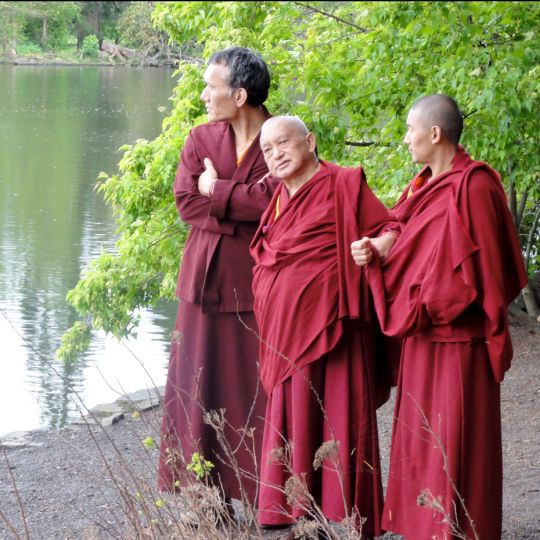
point(441, 110)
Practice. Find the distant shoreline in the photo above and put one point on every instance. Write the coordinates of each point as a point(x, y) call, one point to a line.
point(43, 62)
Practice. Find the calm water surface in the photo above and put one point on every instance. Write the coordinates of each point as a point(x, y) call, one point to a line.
point(59, 127)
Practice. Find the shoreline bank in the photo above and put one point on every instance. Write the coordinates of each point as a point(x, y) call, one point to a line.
point(104, 415)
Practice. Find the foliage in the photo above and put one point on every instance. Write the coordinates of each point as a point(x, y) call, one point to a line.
point(135, 26)
point(27, 49)
point(99, 18)
point(12, 19)
point(75, 342)
point(49, 23)
point(351, 70)
point(137, 30)
point(199, 466)
point(149, 443)
point(90, 46)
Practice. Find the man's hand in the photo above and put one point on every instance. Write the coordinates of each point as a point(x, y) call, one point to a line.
point(207, 178)
point(362, 251)
point(264, 178)
point(383, 244)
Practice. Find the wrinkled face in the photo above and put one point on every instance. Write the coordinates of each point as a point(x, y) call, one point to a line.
point(419, 137)
point(218, 96)
point(288, 152)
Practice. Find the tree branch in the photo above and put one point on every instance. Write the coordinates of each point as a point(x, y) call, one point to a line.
point(521, 207)
point(364, 144)
point(532, 234)
point(361, 144)
point(512, 197)
point(332, 16)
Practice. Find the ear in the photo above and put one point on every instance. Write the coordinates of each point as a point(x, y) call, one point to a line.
point(312, 143)
point(436, 134)
point(240, 97)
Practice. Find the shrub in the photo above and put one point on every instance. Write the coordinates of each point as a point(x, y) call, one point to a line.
point(90, 46)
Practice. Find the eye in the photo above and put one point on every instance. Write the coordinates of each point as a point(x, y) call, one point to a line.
point(283, 142)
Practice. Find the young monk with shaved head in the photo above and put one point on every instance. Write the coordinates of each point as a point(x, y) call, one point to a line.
point(319, 348)
point(445, 287)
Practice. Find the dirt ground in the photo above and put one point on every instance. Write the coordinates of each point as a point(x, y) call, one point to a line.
point(88, 482)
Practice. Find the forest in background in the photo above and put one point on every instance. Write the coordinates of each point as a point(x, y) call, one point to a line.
point(84, 32)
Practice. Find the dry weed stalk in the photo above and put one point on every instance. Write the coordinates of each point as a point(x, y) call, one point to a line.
point(338, 464)
point(435, 503)
point(199, 511)
point(19, 500)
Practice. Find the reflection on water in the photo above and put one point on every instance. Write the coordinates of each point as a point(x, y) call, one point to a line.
point(61, 126)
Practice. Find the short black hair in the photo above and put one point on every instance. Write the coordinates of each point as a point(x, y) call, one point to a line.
point(247, 70)
point(441, 110)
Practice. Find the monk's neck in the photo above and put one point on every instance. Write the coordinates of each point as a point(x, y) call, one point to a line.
point(247, 124)
point(441, 163)
point(294, 184)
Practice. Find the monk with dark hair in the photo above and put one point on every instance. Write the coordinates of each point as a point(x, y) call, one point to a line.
point(445, 287)
point(213, 360)
point(319, 341)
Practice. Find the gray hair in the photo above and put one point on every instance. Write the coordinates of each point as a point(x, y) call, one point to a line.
point(294, 121)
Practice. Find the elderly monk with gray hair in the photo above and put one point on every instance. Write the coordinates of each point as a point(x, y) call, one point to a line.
point(319, 342)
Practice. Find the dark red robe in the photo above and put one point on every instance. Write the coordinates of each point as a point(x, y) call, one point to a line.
point(213, 360)
point(445, 288)
point(318, 337)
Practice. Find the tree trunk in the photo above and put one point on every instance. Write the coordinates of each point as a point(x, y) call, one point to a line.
point(98, 25)
point(530, 301)
point(512, 197)
point(44, 37)
point(531, 238)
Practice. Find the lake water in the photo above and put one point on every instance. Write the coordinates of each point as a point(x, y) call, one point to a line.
point(59, 127)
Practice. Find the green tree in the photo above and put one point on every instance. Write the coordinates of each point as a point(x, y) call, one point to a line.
point(49, 23)
point(99, 18)
point(136, 29)
point(13, 17)
point(350, 70)
point(135, 26)
point(90, 46)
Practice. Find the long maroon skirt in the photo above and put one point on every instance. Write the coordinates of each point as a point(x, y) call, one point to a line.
point(447, 404)
point(347, 482)
point(213, 365)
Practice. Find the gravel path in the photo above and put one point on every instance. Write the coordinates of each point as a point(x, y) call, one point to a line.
point(66, 491)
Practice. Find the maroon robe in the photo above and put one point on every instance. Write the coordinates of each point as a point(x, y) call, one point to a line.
point(315, 321)
point(213, 360)
point(445, 288)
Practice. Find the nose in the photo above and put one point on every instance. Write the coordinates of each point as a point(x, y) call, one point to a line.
point(204, 94)
point(407, 139)
point(277, 152)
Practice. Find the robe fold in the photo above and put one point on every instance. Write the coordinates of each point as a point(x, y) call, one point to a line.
point(214, 358)
point(445, 287)
point(316, 324)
